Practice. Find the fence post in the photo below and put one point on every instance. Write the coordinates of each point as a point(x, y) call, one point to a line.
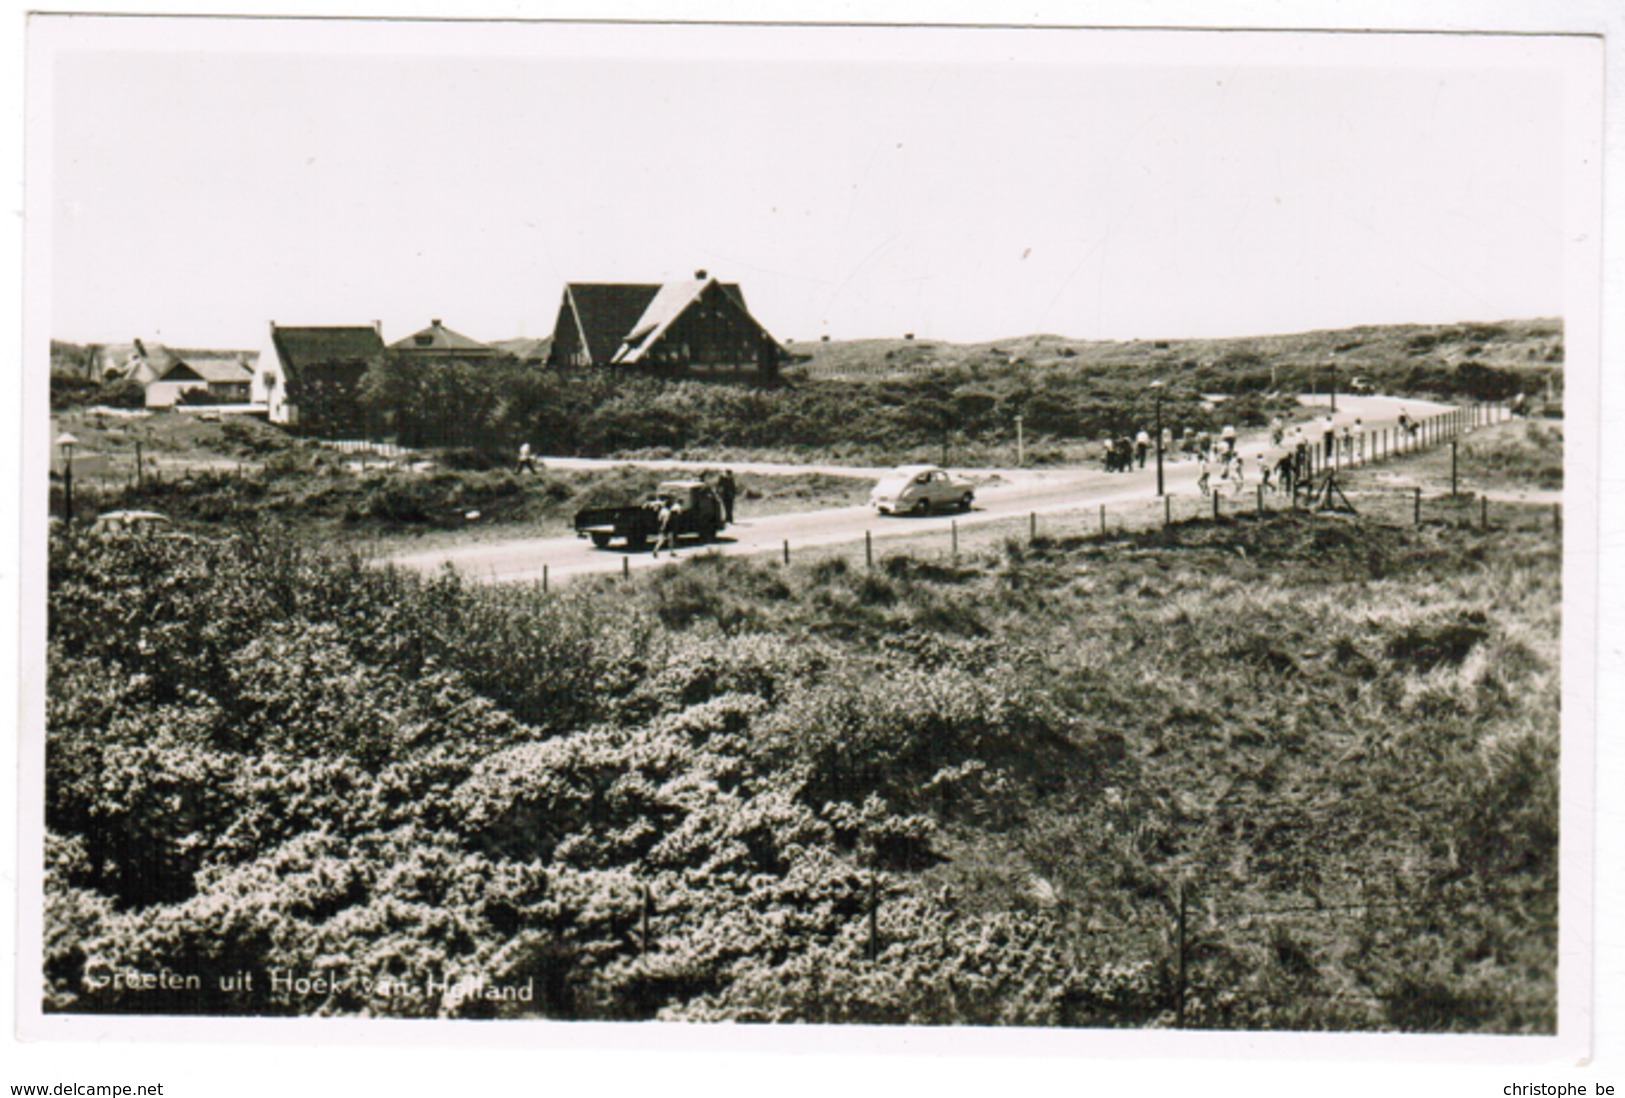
point(626, 567)
point(1032, 527)
point(544, 579)
point(1418, 506)
point(1483, 512)
point(1102, 520)
point(138, 476)
point(953, 528)
point(1215, 504)
point(1261, 499)
point(874, 925)
point(787, 551)
point(868, 550)
point(1167, 510)
point(643, 923)
point(1453, 448)
point(1179, 1002)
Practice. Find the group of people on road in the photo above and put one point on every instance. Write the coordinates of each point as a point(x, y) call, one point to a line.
point(1125, 453)
point(1283, 466)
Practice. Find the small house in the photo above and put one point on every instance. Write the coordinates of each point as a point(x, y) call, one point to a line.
point(320, 364)
point(439, 343)
point(219, 379)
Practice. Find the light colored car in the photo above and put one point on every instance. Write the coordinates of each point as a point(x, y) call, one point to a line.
point(1361, 386)
point(130, 520)
point(919, 490)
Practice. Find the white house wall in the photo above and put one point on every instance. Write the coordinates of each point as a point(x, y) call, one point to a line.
point(165, 394)
point(272, 393)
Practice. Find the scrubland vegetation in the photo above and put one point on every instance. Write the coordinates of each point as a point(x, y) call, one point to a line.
point(317, 495)
point(979, 793)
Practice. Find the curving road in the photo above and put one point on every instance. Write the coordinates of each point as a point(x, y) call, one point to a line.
point(1003, 494)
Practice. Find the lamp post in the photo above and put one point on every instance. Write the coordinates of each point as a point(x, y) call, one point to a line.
point(1021, 449)
point(1156, 389)
point(67, 442)
point(1331, 366)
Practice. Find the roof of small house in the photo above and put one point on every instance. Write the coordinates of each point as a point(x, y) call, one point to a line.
point(439, 339)
point(525, 350)
point(219, 369)
point(300, 347)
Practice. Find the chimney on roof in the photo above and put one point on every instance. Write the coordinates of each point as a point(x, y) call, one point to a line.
point(700, 274)
point(378, 326)
point(434, 323)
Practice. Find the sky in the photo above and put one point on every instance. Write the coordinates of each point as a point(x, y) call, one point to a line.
point(962, 185)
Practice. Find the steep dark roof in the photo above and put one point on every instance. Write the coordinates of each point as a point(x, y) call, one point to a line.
point(302, 347)
point(606, 311)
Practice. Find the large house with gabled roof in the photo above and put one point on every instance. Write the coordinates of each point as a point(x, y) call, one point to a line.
point(312, 360)
point(695, 326)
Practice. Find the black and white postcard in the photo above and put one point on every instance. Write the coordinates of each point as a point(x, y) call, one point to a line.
point(1009, 540)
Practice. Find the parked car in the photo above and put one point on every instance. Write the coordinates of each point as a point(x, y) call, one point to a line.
point(919, 490)
point(109, 521)
point(1361, 386)
point(701, 516)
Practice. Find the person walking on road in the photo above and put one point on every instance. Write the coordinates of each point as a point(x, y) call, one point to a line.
point(1286, 471)
point(1142, 443)
point(726, 491)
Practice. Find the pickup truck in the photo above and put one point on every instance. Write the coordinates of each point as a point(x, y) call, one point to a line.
point(700, 516)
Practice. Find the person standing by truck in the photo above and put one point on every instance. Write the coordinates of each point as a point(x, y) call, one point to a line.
point(668, 514)
point(726, 491)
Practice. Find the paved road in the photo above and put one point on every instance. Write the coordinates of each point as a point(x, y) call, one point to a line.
point(1005, 494)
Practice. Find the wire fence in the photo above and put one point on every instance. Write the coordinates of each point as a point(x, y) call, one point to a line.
point(1318, 487)
point(372, 447)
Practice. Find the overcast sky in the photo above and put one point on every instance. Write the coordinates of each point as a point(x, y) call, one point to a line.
point(206, 177)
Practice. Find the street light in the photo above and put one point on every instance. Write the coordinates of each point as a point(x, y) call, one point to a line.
point(1331, 365)
point(1156, 388)
point(67, 442)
